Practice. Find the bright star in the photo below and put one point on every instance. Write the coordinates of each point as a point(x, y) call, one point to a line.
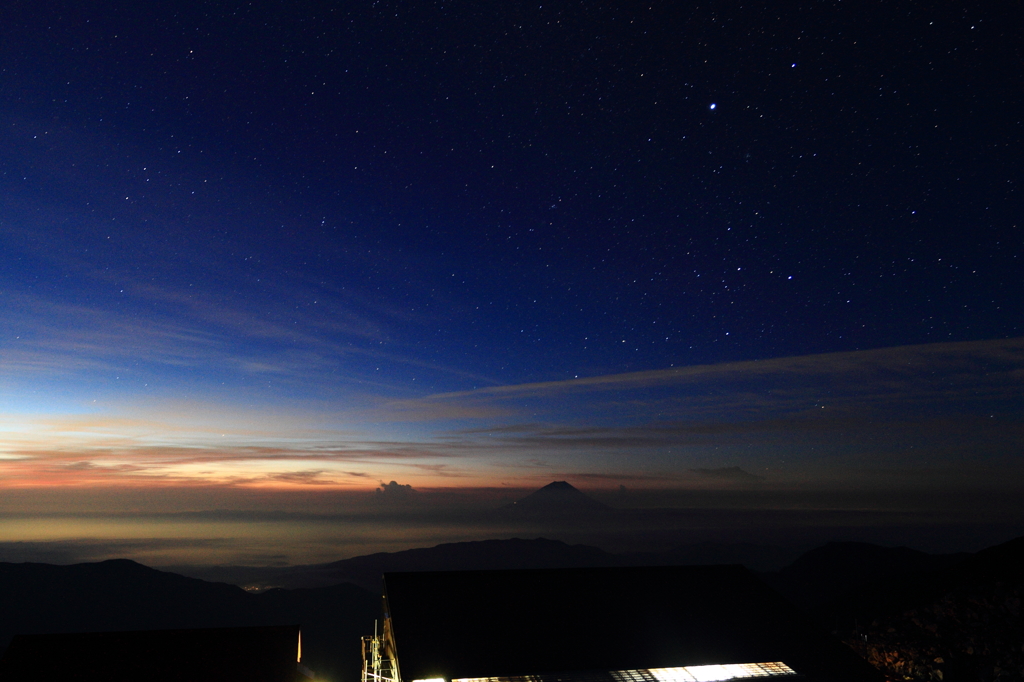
point(713, 105)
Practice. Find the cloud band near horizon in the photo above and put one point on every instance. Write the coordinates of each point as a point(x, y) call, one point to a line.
point(913, 416)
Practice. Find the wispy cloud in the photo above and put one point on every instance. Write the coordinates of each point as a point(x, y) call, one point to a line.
point(879, 384)
point(931, 372)
point(155, 331)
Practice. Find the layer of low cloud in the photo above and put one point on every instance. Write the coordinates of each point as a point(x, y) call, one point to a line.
point(395, 491)
point(66, 551)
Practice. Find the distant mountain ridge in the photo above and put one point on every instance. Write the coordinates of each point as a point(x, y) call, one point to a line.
point(514, 553)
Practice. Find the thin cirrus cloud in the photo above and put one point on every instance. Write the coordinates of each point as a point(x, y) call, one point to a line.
point(213, 308)
point(946, 376)
point(327, 349)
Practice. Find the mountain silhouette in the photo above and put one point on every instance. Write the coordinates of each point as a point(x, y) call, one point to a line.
point(958, 622)
point(478, 555)
point(839, 570)
point(557, 499)
point(121, 595)
point(515, 553)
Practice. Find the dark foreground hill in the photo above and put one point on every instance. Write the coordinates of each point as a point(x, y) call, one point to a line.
point(962, 623)
point(854, 573)
point(913, 615)
point(918, 616)
point(122, 595)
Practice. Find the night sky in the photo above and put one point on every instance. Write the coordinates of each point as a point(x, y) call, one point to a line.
point(271, 256)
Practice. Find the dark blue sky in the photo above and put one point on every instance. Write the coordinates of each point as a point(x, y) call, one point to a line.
point(531, 191)
point(330, 213)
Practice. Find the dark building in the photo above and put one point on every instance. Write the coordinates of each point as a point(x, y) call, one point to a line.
point(664, 624)
point(255, 654)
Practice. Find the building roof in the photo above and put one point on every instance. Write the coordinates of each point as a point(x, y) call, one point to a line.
point(252, 654)
point(479, 624)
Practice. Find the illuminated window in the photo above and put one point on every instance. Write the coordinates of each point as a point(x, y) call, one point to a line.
point(709, 673)
point(690, 673)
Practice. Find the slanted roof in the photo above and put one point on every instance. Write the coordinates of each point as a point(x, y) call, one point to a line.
point(252, 654)
point(477, 624)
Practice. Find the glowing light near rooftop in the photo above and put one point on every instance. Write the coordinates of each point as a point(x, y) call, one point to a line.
point(714, 673)
point(690, 673)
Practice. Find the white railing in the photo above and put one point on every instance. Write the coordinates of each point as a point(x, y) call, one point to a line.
point(376, 667)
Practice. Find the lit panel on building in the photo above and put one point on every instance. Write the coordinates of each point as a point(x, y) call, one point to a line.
point(690, 673)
